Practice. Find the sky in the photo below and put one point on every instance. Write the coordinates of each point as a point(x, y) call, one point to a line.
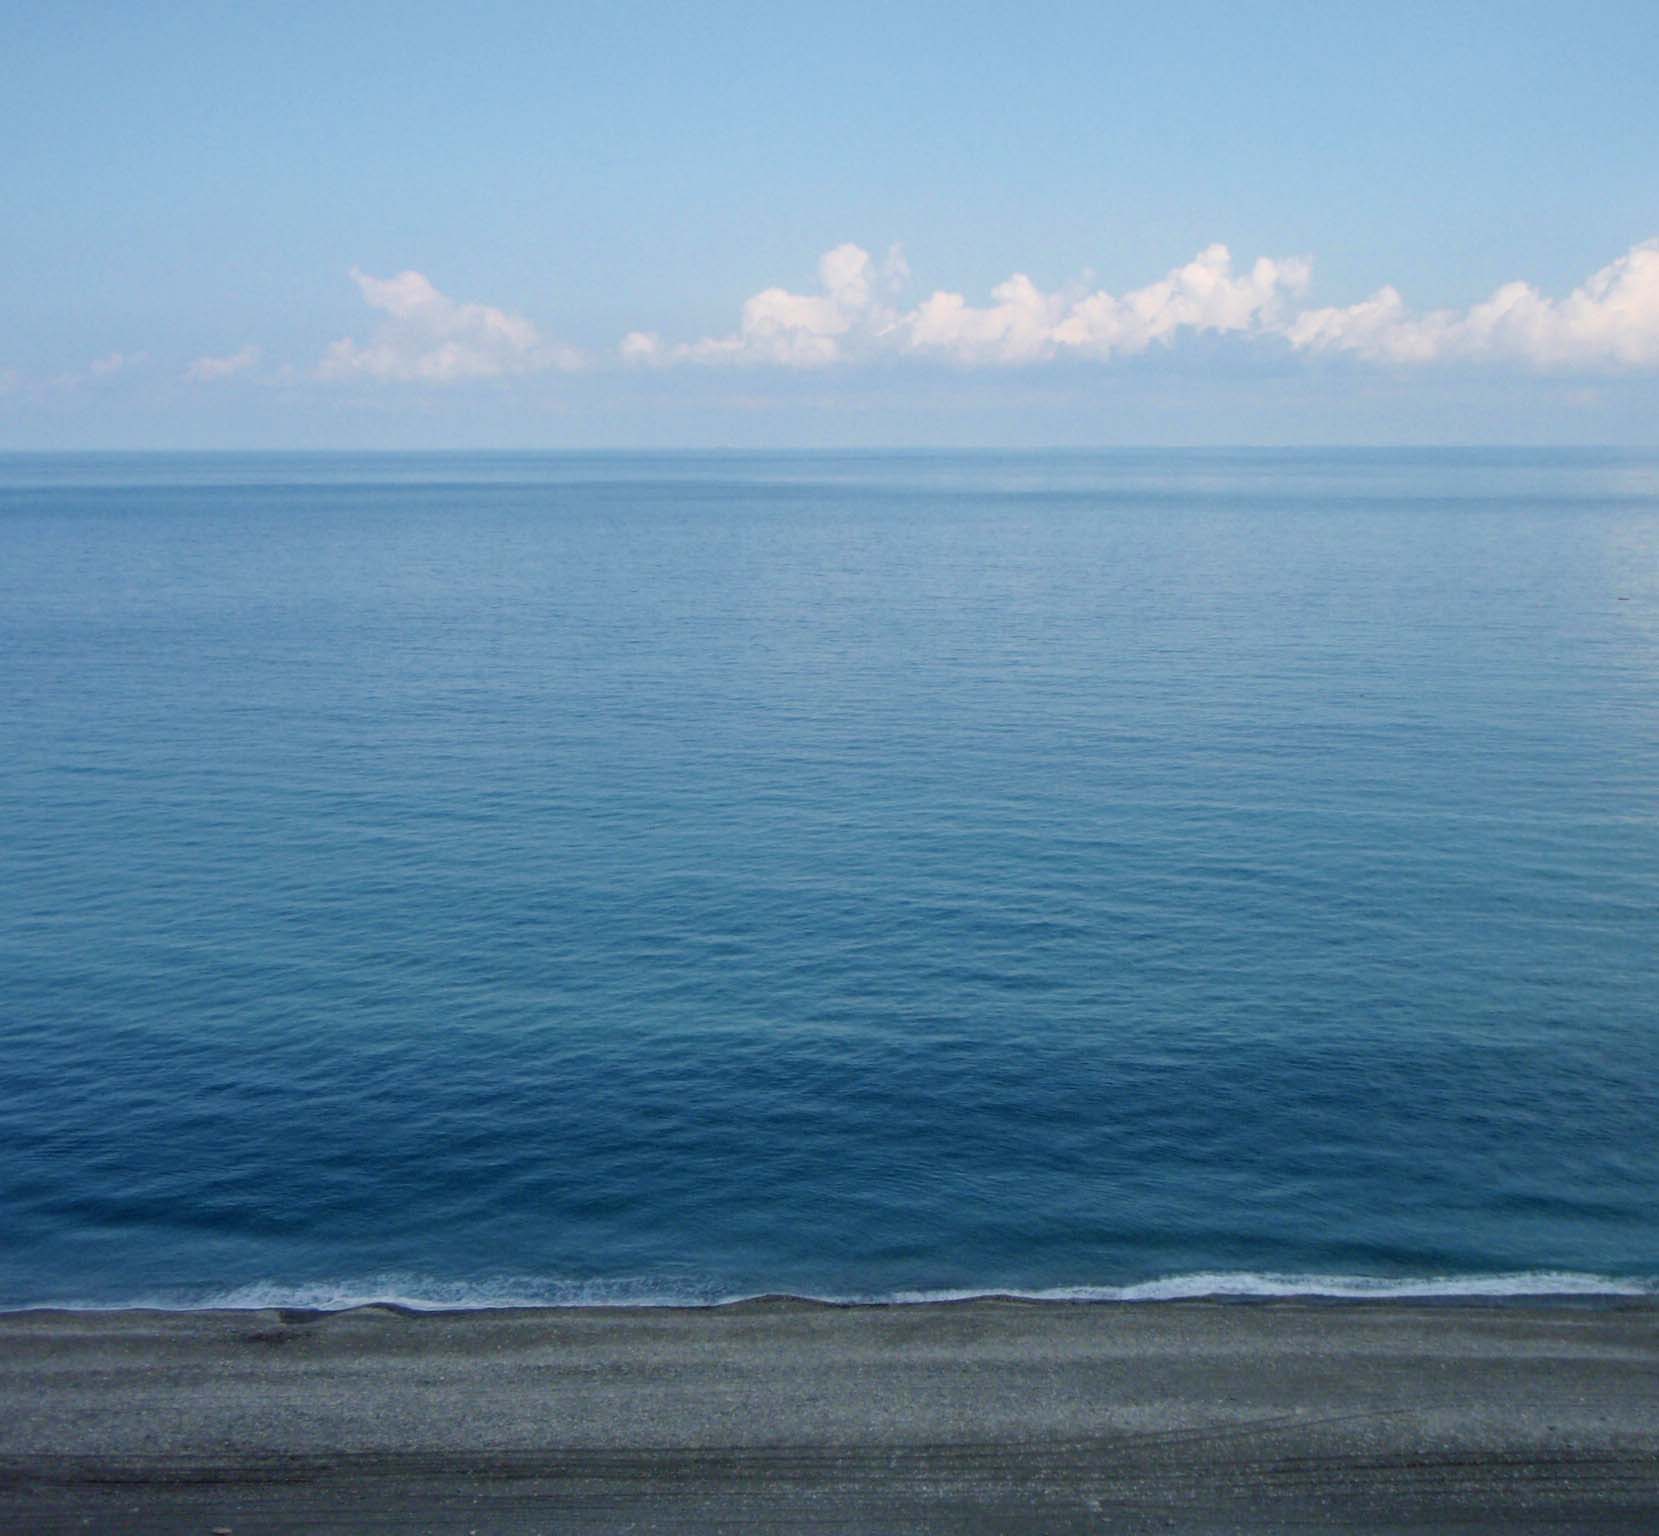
point(642, 225)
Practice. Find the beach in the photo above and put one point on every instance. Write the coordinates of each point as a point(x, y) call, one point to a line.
point(786, 1415)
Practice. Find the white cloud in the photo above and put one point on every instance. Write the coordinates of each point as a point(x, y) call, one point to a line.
point(1612, 320)
point(1017, 328)
point(641, 347)
point(1026, 325)
point(113, 363)
point(852, 316)
point(845, 317)
point(98, 370)
point(428, 337)
point(208, 370)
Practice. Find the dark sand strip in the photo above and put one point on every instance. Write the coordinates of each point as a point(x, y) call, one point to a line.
point(786, 1416)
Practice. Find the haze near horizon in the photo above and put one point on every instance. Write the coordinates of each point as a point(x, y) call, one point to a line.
point(376, 227)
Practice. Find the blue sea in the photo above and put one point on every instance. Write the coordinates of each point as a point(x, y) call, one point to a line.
point(468, 879)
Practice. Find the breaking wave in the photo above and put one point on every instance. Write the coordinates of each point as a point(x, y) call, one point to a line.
point(422, 1294)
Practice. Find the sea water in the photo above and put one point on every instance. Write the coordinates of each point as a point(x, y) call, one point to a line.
point(463, 878)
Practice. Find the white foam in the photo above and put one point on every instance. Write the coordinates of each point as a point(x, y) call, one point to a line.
point(423, 1294)
point(1223, 1284)
point(426, 1294)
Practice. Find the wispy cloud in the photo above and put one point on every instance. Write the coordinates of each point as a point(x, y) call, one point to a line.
point(1612, 320)
point(429, 338)
point(99, 371)
point(209, 370)
point(112, 363)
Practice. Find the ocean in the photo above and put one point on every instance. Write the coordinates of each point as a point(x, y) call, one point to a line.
point(466, 879)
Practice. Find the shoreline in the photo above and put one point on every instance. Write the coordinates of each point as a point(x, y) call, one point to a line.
point(304, 1312)
point(425, 1294)
point(787, 1414)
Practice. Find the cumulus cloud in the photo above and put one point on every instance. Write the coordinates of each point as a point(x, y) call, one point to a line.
point(853, 315)
point(1024, 324)
point(208, 370)
point(1612, 320)
point(846, 316)
point(427, 337)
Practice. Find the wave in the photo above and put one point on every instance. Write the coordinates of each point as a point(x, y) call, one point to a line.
point(1222, 1285)
point(424, 1294)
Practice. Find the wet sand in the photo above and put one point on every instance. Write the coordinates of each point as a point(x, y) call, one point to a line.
point(987, 1416)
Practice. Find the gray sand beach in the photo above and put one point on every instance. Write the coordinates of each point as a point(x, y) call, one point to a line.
point(991, 1415)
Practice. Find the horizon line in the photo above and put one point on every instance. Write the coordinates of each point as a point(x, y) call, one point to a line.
point(851, 448)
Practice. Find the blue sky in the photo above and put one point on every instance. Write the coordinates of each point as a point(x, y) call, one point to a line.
point(650, 225)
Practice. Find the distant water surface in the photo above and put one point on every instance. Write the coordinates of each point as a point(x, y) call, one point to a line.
point(522, 877)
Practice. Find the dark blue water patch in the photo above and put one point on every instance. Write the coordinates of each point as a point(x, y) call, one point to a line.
point(577, 877)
